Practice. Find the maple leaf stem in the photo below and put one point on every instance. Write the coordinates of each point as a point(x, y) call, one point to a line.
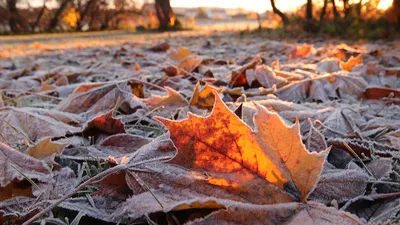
point(80, 187)
point(22, 174)
point(18, 131)
point(32, 93)
point(359, 159)
point(146, 187)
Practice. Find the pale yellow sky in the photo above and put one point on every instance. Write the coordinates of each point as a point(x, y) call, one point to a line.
point(253, 5)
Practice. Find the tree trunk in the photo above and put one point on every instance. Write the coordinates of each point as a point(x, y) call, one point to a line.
point(345, 7)
point(39, 16)
point(82, 14)
point(13, 16)
point(335, 12)
point(359, 8)
point(284, 18)
point(309, 11)
point(323, 11)
point(56, 19)
point(396, 8)
point(164, 13)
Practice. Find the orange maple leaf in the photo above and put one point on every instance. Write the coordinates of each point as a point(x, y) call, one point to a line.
point(235, 156)
point(301, 52)
point(204, 98)
point(351, 63)
point(173, 98)
point(179, 54)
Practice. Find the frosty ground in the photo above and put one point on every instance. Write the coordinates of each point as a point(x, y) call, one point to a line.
point(79, 138)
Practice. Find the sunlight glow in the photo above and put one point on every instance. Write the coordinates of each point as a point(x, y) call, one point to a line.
point(259, 6)
point(384, 4)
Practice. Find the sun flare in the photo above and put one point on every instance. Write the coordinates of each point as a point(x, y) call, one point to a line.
point(384, 4)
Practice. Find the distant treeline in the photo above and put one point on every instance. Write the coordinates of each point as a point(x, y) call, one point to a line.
point(357, 18)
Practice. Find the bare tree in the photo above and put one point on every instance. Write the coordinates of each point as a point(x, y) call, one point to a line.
point(335, 12)
point(56, 18)
point(15, 20)
point(84, 10)
point(39, 16)
point(346, 7)
point(284, 18)
point(164, 13)
point(323, 11)
point(309, 11)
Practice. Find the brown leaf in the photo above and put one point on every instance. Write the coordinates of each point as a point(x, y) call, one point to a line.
point(301, 52)
point(238, 158)
point(93, 100)
point(173, 98)
point(323, 88)
point(180, 54)
point(121, 144)
point(329, 65)
point(45, 149)
point(265, 76)
point(106, 122)
point(22, 124)
point(238, 76)
point(340, 185)
point(46, 87)
point(204, 98)
point(162, 47)
point(63, 80)
point(376, 208)
point(315, 139)
point(15, 167)
point(381, 92)
point(289, 213)
point(190, 63)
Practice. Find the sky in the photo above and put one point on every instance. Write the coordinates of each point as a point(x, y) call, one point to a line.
point(253, 5)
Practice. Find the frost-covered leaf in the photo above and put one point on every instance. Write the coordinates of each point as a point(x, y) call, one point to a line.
point(16, 167)
point(288, 213)
point(258, 157)
point(18, 124)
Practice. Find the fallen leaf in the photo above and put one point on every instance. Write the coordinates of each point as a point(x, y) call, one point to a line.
point(329, 65)
point(381, 92)
point(315, 140)
point(15, 168)
point(180, 54)
point(91, 101)
point(173, 98)
point(238, 76)
point(323, 88)
point(162, 47)
point(352, 62)
point(289, 213)
point(121, 144)
point(376, 208)
point(301, 52)
point(45, 148)
point(63, 80)
point(106, 122)
point(204, 98)
point(226, 148)
point(19, 124)
point(46, 87)
point(265, 76)
point(340, 185)
point(190, 63)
